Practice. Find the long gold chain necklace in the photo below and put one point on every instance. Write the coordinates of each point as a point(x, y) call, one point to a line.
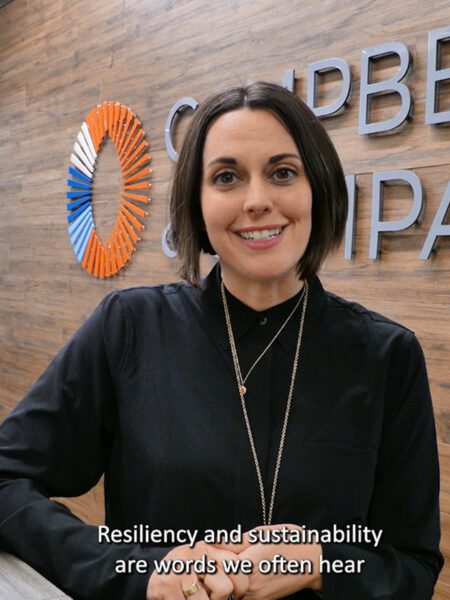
point(267, 519)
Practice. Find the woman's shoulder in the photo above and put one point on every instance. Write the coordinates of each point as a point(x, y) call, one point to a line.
point(145, 298)
point(353, 318)
point(358, 311)
point(151, 291)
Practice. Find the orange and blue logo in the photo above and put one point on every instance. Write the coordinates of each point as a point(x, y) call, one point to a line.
point(124, 128)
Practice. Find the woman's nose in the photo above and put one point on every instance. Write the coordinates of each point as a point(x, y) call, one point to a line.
point(258, 198)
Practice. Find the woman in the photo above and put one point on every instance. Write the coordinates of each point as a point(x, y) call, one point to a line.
point(252, 400)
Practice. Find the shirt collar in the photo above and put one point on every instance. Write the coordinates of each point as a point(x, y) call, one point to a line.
point(245, 318)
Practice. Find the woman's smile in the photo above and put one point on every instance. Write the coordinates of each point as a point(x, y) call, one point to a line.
point(260, 238)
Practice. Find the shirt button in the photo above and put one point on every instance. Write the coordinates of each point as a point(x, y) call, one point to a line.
point(263, 320)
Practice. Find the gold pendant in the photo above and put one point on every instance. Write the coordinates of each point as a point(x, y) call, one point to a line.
point(243, 389)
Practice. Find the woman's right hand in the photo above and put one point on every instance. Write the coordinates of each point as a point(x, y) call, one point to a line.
point(216, 586)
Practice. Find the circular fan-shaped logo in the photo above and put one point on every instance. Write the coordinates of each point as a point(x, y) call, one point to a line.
point(124, 129)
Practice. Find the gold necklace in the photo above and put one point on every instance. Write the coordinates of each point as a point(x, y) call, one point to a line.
point(242, 380)
point(267, 519)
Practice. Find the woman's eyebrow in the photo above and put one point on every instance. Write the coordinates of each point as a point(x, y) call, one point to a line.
point(282, 156)
point(228, 160)
point(223, 159)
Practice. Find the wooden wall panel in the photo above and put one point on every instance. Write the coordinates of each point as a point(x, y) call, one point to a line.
point(59, 59)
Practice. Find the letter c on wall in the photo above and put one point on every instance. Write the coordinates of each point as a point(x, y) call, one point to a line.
point(124, 128)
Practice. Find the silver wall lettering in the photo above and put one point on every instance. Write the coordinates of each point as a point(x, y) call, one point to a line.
point(437, 75)
point(437, 228)
point(434, 76)
point(179, 107)
point(175, 112)
point(166, 243)
point(314, 70)
point(415, 214)
point(383, 87)
point(289, 80)
point(349, 249)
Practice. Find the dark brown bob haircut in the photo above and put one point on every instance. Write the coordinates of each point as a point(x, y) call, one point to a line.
point(320, 160)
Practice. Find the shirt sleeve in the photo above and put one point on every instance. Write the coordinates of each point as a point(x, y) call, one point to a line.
point(405, 501)
point(57, 443)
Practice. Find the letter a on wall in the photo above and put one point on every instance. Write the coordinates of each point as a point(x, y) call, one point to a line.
point(124, 129)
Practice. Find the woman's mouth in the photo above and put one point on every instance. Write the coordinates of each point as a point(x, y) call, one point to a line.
point(261, 239)
point(260, 234)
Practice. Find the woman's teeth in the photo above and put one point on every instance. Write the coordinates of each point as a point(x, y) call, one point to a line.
point(265, 234)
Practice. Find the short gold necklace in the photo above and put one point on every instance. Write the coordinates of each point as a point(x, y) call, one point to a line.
point(267, 519)
point(243, 380)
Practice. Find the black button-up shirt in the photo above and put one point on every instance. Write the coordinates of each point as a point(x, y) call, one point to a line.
point(145, 392)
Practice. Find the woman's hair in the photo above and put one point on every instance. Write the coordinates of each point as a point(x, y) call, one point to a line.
point(320, 160)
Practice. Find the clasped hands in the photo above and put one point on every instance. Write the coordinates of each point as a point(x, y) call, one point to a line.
point(239, 586)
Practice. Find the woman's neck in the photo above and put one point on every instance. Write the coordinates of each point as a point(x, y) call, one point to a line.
point(261, 295)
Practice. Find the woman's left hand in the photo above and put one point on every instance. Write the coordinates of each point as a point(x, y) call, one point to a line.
point(275, 585)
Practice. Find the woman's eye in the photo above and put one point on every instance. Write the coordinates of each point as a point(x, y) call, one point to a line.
point(284, 174)
point(225, 178)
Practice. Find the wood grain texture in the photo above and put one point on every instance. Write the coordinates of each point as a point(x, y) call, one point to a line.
point(59, 59)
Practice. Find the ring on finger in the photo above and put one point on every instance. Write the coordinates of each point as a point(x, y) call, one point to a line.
point(193, 589)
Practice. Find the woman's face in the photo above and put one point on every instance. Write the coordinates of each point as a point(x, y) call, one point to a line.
point(255, 197)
